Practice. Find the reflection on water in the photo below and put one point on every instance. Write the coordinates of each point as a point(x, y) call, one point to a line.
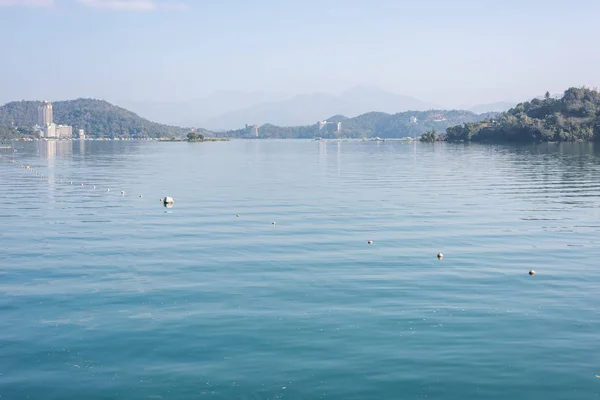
point(49, 149)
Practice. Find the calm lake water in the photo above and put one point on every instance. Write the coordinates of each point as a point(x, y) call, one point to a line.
point(111, 296)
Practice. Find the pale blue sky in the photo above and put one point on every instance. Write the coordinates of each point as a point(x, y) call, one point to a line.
point(450, 52)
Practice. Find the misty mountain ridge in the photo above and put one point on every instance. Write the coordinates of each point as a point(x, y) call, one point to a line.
point(232, 109)
point(193, 112)
point(306, 109)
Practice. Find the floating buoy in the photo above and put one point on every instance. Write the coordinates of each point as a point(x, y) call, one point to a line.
point(531, 272)
point(82, 184)
point(237, 215)
point(370, 242)
point(122, 193)
point(94, 187)
point(440, 256)
point(141, 196)
point(70, 182)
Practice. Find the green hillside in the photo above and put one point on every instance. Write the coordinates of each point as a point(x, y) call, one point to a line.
point(574, 117)
point(97, 117)
point(405, 124)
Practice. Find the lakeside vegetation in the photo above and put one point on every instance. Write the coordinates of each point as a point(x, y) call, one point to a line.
point(194, 137)
point(573, 117)
point(431, 136)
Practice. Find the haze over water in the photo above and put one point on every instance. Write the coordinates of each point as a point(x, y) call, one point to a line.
point(104, 296)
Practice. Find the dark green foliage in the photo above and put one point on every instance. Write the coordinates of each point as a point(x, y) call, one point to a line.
point(431, 136)
point(195, 137)
point(8, 132)
point(98, 118)
point(576, 116)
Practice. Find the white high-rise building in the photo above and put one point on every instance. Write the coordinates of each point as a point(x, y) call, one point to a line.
point(45, 114)
point(49, 131)
point(48, 128)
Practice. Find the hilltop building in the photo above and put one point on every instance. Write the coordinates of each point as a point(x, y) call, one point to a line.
point(47, 127)
point(437, 117)
point(336, 127)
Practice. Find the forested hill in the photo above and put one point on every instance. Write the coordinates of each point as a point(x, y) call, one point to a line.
point(99, 119)
point(573, 117)
point(405, 124)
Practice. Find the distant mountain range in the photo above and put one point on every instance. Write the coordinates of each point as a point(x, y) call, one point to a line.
point(196, 111)
point(232, 110)
point(309, 108)
point(294, 117)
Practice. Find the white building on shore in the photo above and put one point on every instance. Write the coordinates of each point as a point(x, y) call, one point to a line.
point(48, 129)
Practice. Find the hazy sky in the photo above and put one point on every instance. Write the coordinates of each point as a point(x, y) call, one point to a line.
point(450, 52)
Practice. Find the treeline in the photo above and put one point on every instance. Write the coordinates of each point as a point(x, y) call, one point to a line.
point(573, 117)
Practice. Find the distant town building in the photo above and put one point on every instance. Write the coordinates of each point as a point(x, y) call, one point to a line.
point(64, 131)
point(252, 130)
point(437, 117)
point(46, 126)
point(45, 114)
point(413, 120)
point(81, 134)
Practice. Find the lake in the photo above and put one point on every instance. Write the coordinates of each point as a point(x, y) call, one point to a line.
point(105, 295)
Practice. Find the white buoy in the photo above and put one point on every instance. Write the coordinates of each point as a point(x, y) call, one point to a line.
point(82, 184)
point(440, 256)
point(532, 272)
point(94, 187)
point(70, 182)
point(122, 193)
point(370, 242)
point(107, 190)
point(237, 215)
point(273, 223)
point(141, 196)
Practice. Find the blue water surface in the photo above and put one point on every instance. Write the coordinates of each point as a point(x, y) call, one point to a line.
point(105, 295)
